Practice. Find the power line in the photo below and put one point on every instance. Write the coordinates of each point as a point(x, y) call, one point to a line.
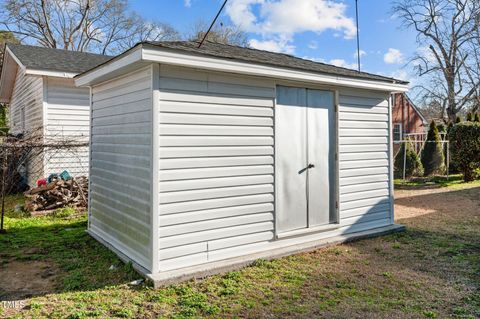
point(211, 25)
point(358, 35)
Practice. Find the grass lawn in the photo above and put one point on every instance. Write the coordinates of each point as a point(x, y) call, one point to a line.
point(453, 181)
point(430, 271)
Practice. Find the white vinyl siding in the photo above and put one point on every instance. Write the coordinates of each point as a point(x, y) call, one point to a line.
point(363, 160)
point(120, 185)
point(67, 118)
point(26, 116)
point(27, 96)
point(216, 166)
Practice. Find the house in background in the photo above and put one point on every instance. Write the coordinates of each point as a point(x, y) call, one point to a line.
point(407, 121)
point(37, 83)
point(204, 159)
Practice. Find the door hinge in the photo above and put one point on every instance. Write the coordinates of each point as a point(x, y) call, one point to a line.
point(336, 204)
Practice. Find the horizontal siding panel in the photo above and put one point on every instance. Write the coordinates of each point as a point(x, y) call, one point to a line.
point(196, 173)
point(363, 187)
point(366, 218)
point(362, 132)
point(363, 109)
point(217, 130)
point(169, 152)
point(135, 117)
point(183, 196)
point(215, 182)
point(363, 195)
point(365, 202)
point(363, 117)
point(184, 250)
point(184, 261)
point(218, 223)
point(363, 148)
point(124, 128)
point(363, 100)
point(209, 119)
point(363, 163)
point(215, 203)
point(123, 149)
point(362, 124)
point(215, 141)
point(240, 240)
point(346, 181)
point(208, 235)
point(366, 140)
point(128, 108)
point(121, 139)
point(347, 213)
point(179, 96)
point(176, 163)
point(176, 219)
point(218, 109)
point(363, 172)
point(363, 156)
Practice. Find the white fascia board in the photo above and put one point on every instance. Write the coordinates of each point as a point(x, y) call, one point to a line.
point(88, 78)
point(58, 74)
point(216, 64)
point(10, 53)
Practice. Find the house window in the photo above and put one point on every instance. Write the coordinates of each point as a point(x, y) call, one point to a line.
point(397, 132)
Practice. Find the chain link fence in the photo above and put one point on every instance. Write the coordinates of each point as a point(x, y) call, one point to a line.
point(51, 170)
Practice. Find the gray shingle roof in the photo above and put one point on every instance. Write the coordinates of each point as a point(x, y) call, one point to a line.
point(270, 58)
point(39, 58)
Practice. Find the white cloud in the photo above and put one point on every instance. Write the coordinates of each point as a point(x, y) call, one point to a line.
point(393, 56)
point(344, 64)
point(285, 18)
point(278, 45)
point(362, 53)
point(187, 3)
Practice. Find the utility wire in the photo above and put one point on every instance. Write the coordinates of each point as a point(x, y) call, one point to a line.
point(211, 25)
point(358, 35)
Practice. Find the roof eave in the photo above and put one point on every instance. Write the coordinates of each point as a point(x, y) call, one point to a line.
point(151, 53)
point(9, 71)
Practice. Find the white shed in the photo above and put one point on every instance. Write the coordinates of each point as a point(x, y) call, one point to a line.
point(37, 83)
point(204, 159)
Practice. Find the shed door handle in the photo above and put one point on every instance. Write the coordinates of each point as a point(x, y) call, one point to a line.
point(310, 166)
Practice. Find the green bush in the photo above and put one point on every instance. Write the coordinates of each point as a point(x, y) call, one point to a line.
point(476, 118)
point(433, 160)
point(469, 117)
point(413, 165)
point(465, 148)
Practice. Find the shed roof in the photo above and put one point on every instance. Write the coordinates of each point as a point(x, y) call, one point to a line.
point(251, 55)
point(49, 59)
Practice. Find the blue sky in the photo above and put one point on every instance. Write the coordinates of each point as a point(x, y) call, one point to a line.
point(316, 29)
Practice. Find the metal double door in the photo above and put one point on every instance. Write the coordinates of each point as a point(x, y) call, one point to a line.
point(304, 157)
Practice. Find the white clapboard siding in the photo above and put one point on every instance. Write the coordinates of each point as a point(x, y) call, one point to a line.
point(27, 98)
point(363, 159)
point(216, 164)
point(67, 117)
point(121, 164)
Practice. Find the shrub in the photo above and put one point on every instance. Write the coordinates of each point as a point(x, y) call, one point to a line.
point(465, 148)
point(413, 165)
point(433, 159)
point(458, 119)
point(476, 118)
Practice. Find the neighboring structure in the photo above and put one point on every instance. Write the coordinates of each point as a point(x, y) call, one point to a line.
point(208, 158)
point(408, 121)
point(37, 83)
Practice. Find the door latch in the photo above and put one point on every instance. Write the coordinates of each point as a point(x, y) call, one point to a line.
point(310, 166)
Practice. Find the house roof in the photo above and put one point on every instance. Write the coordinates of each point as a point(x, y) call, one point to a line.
point(269, 58)
point(48, 59)
point(43, 61)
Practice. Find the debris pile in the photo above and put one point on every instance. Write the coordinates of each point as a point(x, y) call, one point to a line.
point(58, 193)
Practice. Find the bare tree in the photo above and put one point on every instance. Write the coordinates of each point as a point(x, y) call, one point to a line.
point(447, 29)
point(220, 33)
point(104, 26)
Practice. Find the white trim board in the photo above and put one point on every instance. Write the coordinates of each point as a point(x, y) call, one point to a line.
point(142, 53)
